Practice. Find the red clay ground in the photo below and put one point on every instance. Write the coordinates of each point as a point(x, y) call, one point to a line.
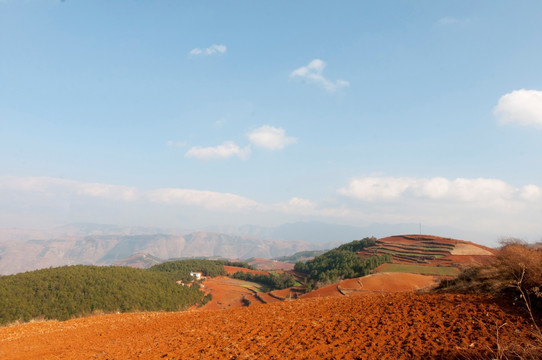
point(388, 326)
point(234, 269)
point(228, 293)
point(380, 282)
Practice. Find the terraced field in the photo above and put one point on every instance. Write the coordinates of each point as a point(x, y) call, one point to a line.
point(425, 254)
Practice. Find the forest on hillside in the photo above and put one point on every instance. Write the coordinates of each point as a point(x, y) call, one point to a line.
point(342, 262)
point(66, 292)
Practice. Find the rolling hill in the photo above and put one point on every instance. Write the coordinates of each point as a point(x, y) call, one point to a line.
point(427, 254)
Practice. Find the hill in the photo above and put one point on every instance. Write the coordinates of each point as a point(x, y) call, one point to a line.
point(69, 291)
point(342, 262)
point(427, 254)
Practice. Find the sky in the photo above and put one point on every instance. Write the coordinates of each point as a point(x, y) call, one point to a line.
point(197, 113)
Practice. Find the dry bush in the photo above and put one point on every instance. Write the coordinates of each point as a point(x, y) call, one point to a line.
point(520, 264)
point(517, 268)
point(515, 274)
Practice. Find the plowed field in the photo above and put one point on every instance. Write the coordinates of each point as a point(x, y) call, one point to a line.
point(229, 293)
point(388, 326)
point(380, 282)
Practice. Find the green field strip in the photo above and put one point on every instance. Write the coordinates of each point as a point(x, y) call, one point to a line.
point(252, 287)
point(420, 269)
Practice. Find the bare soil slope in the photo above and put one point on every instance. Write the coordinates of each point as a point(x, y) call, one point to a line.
point(229, 293)
point(389, 326)
point(379, 282)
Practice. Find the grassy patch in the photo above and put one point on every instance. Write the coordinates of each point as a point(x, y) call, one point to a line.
point(420, 269)
point(253, 286)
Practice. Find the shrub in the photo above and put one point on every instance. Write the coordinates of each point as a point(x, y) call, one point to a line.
point(516, 272)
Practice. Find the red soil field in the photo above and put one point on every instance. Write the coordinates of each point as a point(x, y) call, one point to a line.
point(234, 269)
point(289, 292)
point(390, 282)
point(380, 326)
point(326, 291)
point(380, 282)
point(227, 293)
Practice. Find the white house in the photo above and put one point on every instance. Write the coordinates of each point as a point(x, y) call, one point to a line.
point(197, 275)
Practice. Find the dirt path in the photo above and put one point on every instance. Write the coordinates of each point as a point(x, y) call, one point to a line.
point(389, 326)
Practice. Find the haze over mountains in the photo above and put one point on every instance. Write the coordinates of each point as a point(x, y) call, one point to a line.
point(22, 250)
point(316, 231)
point(105, 244)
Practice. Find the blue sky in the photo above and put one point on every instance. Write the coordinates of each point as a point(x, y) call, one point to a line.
point(187, 114)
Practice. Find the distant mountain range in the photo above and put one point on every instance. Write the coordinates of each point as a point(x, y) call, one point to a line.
point(104, 244)
point(108, 244)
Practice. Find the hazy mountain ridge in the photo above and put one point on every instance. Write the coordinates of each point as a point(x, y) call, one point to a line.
point(19, 256)
point(104, 244)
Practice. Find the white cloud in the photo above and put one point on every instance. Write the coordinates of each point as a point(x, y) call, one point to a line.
point(487, 191)
point(303, 203)
point(178, 144)
point(55, 186)
point(270, 137)
point(489, 206)
point(206, 199)
point(305, 207)
point(523, 107)
point(376, 188)
point(313, 73)
point(531, 192)
point(211, 50)
point(448, 20)
point(224, 151)
point(219, 123)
